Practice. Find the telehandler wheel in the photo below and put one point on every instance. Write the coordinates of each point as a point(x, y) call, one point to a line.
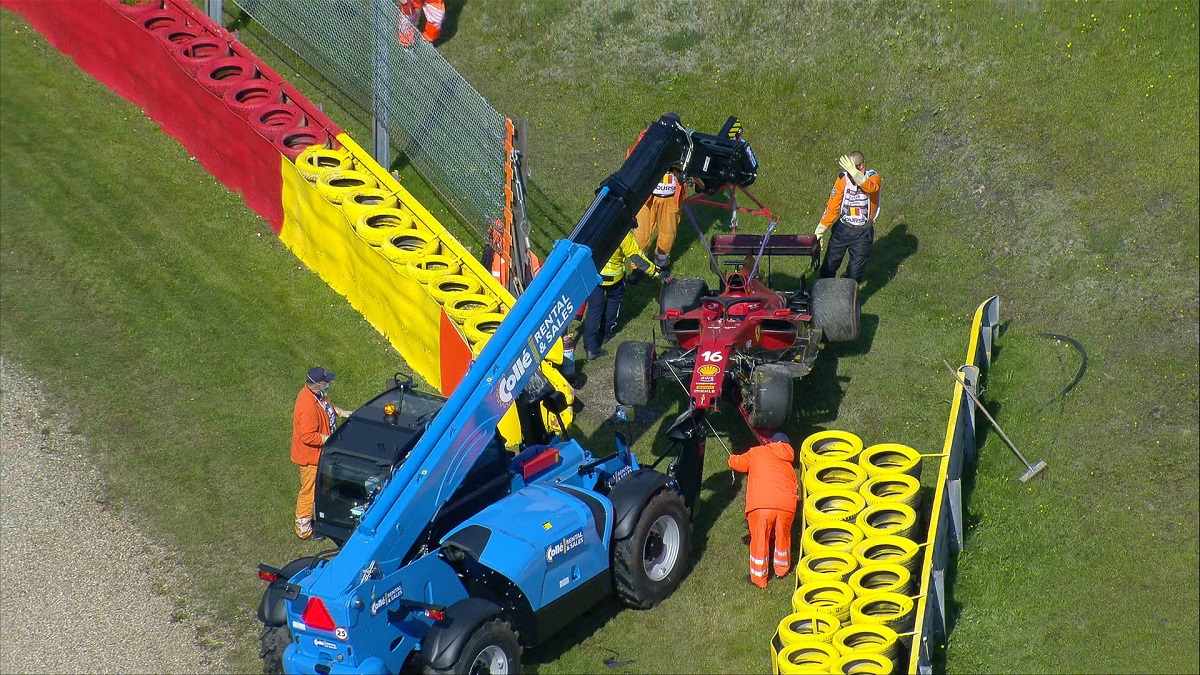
point(633, 373)
point(272, 642)
point(493, 648)
point(649, 564)
point(770, 400)
point(835, 308)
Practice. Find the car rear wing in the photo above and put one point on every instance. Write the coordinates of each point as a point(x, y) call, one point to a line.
point(777, 244)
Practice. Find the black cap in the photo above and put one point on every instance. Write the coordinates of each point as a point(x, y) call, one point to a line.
point(318, 375)
point(779, 437)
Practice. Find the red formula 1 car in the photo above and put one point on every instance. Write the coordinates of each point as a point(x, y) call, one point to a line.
point(745, 343)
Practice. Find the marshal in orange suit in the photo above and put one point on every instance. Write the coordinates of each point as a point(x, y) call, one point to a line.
point(771, 495)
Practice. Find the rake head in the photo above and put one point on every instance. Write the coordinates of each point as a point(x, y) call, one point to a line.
point(1034, 471)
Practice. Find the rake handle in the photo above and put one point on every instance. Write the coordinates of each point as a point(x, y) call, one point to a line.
point(982, 409)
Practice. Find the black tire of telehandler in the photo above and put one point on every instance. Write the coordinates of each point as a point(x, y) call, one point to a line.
point(633, 373)
point(494, 638)
point(646, 547)
point(835, 309)
point(771, 397)
point(272, 642)
point(683, 294)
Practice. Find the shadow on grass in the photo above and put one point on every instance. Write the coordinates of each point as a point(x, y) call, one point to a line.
point(889, 252)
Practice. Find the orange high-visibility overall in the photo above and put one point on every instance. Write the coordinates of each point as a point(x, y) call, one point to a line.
point(771, 495)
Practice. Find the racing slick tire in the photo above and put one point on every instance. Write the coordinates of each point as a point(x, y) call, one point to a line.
point(633, 373)
point(492, 648)
point(650, 563)
point(770, 397)
point(272, 642)
point(683, 294)
point(835, 308)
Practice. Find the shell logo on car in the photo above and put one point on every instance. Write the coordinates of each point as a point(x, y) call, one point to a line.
point(708, 369)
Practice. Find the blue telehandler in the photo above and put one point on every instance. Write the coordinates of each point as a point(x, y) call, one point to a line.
point(455, 552)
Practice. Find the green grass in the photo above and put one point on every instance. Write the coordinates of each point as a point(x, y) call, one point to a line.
point(1046, 152)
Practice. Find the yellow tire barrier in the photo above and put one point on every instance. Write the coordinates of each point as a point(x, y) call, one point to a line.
point(826, 564)
point(334, 185)
point(835, 474)
point(880, 578)
point(892, 487)
point(317, 160)
point(827, 505)
point(893, 550)
point(808, 626)
point(891, 458)
point(827, 446)
point(807, 657)
point(408, 245)
point(462, 307)
point(451, 285)
point(863, 663)
point(868, 638)
point(882, 520)
point(432, 267)
point(831, 597)
point(480, 328)
point(837, 535)
point(889, 609)
point(361, 199)
point(376, 225)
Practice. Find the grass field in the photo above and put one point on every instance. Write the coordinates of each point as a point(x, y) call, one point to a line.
point(1045, 152)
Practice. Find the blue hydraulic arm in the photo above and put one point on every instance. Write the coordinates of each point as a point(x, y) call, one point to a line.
point(457, 436)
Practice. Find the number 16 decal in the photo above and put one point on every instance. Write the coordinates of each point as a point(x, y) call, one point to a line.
point(712, 356)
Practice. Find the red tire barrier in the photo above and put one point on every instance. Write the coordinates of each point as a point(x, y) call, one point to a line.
point(133, 11)
point(219, 75)
point(246, 97)
point(195, 54)
point(291, 142)
point(275, 117)
point(178, 35)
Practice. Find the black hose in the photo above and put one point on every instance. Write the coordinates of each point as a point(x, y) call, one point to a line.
point(1078, 375)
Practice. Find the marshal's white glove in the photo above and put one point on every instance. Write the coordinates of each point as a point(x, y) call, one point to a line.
point(820, 230)
point(847, 165)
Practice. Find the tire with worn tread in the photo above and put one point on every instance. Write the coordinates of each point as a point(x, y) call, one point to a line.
point(492, 648)
point(650, 563)
point(770, 401)
point(272, 643)
point(633, 371)
point(835, 310)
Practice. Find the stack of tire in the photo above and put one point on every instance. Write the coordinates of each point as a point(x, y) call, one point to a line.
point(852, 608)
point(247, 86)
point(389, 227)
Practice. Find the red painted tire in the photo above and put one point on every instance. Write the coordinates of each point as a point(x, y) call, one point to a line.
point(136, 10)
point(193, 55)
point(178, 35)
point(291, 142)
point(246, 97)
point(219, 75)
point(161, 19)
point(275, 117)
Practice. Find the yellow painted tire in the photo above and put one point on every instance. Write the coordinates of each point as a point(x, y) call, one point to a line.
point(833, 535)
point(891, 550)
point(827, 446)
point(830, 505)
point(892, 487)
point(431, 267)
point(872, 638)
point(358, 200)
point(863, 663)
point(889, 609)
point(831, 597)
point(826, 564)
point(480, 328)
point(463, 306)
point(317, 160)
point(882, 520)
point(880, 578)
point(334, 185)
point(891, 458)
point(806, 657)
point(834, 475)
point(808, 626)
point(376, 225)
point(443, 288)
point(408, 245)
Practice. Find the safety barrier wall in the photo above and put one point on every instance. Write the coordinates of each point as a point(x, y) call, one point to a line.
point(246, 125)
point(947, 517)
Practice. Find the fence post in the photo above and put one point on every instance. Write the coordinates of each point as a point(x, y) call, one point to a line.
point(215, 9)
point(381, 146)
